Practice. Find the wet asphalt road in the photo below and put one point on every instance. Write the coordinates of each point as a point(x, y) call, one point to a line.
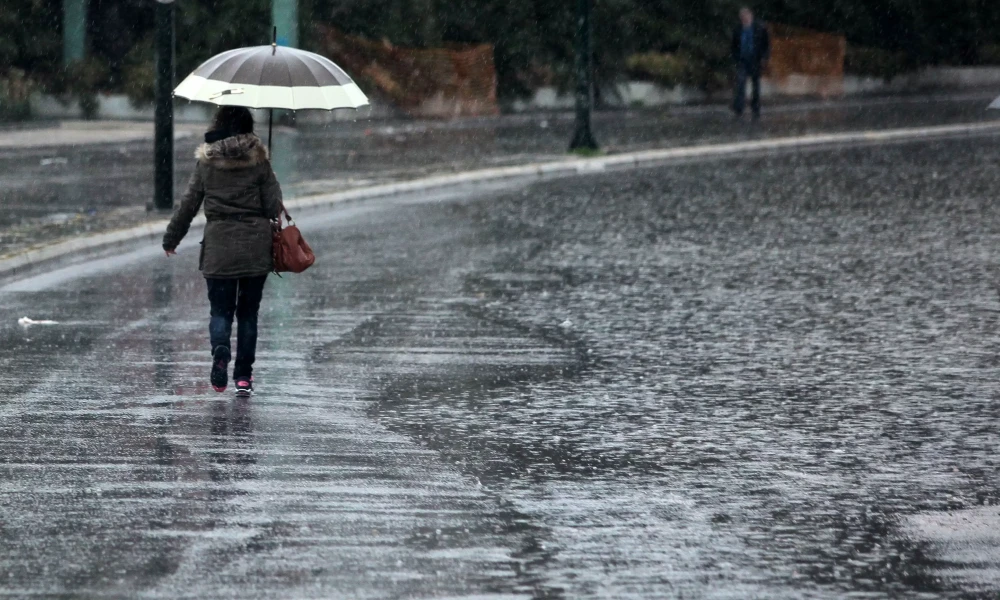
point(768, 377)
point(59, 183)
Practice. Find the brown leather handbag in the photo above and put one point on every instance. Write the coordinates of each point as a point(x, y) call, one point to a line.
point(291, 252)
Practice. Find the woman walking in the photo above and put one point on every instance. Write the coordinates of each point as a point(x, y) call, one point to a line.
point(235, 181)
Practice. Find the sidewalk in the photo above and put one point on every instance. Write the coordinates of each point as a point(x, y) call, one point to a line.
point(97, 177)
point(83, 133)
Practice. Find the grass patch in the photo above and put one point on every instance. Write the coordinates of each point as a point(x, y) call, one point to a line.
point(587, 152)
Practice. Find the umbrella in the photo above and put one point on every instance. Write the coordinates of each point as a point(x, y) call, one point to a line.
point(272, 77)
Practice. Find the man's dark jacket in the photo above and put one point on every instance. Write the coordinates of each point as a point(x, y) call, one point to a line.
point(761, 45)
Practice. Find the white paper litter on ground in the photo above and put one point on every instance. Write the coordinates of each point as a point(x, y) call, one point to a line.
point(25, 322)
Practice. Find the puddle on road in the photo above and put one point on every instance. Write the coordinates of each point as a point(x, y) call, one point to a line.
point(712, 422)
point(441, 370)
point(963, 546)
point(448, 373)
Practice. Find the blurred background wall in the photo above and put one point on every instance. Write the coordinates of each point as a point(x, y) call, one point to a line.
point(488, 55)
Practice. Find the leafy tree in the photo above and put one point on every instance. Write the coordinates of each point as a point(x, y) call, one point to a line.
point(30, 38)
point(533, 39)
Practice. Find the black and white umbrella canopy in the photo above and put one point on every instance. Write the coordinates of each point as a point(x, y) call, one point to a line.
point(272, 77)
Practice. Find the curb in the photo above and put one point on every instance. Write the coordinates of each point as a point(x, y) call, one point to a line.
point(27, 260)
point(68, 135)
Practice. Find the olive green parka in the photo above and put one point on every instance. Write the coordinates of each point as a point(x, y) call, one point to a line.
point(234, 180)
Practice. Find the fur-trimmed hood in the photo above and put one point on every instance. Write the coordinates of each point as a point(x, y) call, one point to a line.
point(235, 152)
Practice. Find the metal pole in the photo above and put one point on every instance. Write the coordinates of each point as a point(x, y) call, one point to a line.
point(583, 138)
point(74, 31)
point(285, 17)
point(163, 150)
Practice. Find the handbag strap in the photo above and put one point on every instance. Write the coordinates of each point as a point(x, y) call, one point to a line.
point(283, 210)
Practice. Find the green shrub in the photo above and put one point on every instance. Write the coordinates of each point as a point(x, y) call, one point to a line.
point(875, 62)
point(139, 74)
point(706, 72)
point(666, 69)
point(81, 81)
point(989, 54)
point(15, 94)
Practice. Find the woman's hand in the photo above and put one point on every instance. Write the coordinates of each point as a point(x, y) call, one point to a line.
point(170, 252)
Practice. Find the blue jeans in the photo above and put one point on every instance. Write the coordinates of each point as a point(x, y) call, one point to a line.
point(744, 72)
point(239, 298)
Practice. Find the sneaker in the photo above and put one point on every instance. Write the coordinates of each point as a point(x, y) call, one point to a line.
point(220, 368)
point(244, 387)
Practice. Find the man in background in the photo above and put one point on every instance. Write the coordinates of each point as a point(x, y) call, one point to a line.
point(751, 49)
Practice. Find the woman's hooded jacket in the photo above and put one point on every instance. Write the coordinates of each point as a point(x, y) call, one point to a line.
point(235, 181)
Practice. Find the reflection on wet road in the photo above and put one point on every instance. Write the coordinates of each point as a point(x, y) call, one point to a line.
point(748, 378)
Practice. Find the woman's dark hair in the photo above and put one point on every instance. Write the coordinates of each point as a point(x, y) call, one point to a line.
point(233, 119)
